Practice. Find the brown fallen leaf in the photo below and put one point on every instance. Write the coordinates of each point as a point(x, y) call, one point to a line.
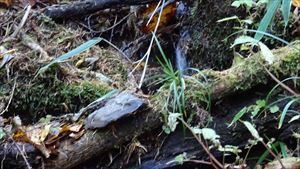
point(7, 3)
point(296, 3)
point(167, 15)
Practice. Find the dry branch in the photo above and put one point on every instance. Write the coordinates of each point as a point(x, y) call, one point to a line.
point(82, 8)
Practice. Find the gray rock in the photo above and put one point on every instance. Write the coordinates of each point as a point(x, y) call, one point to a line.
point(121, 105)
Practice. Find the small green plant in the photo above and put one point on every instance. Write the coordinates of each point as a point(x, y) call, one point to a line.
point(274, 148)
point(278, 147)
point(257, 138)
point(174, 100)
point(174, 105)
point(262, 106)
point(272, 7)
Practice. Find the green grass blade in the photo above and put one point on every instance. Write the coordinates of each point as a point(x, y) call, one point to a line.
point(275, 87)
point(265, 22)
point(283, 150)
point(285, 110)
point(263, 34)
point(83, 47)
point(238, 116)
point(263, 157)
point(286, 8)
point(244, 39)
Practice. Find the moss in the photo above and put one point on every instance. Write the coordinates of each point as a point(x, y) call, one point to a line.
point(208, 48)
point(289, 61)
point(113, 66)
point(61, 88)
point(55, 97)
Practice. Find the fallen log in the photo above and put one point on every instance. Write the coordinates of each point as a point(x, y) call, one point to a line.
point(82, 8)
point(238, 78)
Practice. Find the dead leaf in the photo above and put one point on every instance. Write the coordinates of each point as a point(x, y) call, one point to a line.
point(7, 3)
point(80, 62)
point(21, 136)
point(64, 130)
point(296, 3)
point(76, 136)
point(166, 16)
point(45, 132)
point(76, 127)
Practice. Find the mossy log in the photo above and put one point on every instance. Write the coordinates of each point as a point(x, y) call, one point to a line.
point(252, 71)
point(240, 77)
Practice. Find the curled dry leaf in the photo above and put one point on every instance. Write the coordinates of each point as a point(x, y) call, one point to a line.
point(296, 3)
point(41, 138)
point(167, 14)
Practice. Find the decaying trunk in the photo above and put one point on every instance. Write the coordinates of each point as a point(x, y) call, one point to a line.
point(240, 77)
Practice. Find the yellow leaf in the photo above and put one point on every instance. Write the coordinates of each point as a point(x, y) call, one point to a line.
point(166, 16)
point(21, 136)
point(80, 62)
point(296, 3)
point(7, 3)
point(45, 132)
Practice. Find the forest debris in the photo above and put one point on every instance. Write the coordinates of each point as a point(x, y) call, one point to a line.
point(21, 24)
point(123, 104)
point(28, 41)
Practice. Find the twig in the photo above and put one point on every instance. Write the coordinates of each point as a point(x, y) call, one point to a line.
point(158, 149)
point(273, 154)
point(10, 99)
point(280, 83)
point(109, 28)
point(199, 162)
point(2, 161)
point(119, 50)
point(28, 41)
point(147, 54)
point(112, 30)
point(117, 23)
point(22, 23)
point(247, 154)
